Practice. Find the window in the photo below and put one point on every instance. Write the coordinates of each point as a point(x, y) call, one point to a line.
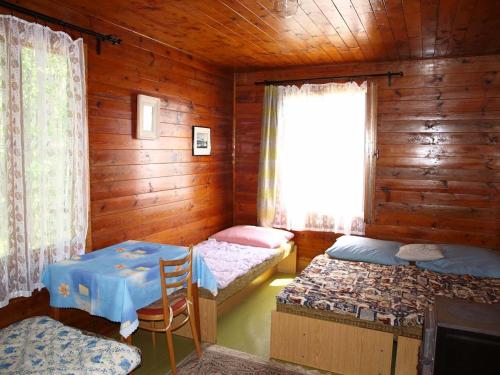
point(43, 153)
point(321, 157)
point(44, 177)
point(4, 218)
point(47, 176)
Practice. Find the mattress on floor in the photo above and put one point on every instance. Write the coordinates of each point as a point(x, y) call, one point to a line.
point(41, 345)
point(375, 296)
point(243, 254)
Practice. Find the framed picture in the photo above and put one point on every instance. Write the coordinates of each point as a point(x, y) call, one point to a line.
point(201, 141)
point(148, 117)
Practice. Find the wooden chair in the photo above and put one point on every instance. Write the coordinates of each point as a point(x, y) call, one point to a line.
point(159, 316)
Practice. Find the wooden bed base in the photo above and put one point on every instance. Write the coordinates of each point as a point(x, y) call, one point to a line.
point(210, 310)
point(339, 348)
point(407, 356)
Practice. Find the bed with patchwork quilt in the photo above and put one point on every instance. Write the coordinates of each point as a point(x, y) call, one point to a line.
point(41, 345)
point(381, 297)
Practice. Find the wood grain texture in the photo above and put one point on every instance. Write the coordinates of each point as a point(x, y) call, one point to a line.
point(289, 264)
point(407, 356)
point(438, 175)
point(244, 34)
point(152, 190)
point(335, 347)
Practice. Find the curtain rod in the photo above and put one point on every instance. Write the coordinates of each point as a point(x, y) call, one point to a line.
point(98, 37)
point(389, 76)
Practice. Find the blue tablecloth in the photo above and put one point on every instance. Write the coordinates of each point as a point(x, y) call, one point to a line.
point(117, 281)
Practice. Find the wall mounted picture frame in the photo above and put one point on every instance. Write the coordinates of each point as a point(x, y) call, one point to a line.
point(202, 144)
point(148, 117)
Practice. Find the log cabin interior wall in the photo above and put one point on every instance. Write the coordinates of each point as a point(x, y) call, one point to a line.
point(438, 174)
point(140, 189)
point(437, 178)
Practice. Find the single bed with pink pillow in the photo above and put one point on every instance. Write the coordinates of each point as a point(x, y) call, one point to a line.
point(240, 258)
point(233, 252)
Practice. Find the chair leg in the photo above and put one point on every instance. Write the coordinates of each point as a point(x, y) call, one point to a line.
point(194, 332)
point(171, 353)
point(153, 335)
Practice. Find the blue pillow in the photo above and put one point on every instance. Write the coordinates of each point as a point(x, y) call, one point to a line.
point(364, 249)
point(466, 260)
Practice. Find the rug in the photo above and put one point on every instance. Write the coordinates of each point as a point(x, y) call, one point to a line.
point(218, 360)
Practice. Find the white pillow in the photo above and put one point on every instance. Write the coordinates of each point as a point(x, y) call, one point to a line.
point(420, 252)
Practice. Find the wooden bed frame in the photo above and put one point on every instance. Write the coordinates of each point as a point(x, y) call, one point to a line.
point(210, 310)
point(340, 348)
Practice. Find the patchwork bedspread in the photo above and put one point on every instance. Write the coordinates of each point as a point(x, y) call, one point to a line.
point(389, 295)
point(41, 345)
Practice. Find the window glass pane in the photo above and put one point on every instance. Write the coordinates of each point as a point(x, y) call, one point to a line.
point(322, 156)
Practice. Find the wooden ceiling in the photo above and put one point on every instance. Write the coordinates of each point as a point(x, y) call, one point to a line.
point(244, 34)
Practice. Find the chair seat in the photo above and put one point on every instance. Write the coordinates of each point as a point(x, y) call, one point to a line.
point(178, 304)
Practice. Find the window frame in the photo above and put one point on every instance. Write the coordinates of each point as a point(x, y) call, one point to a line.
point(371, 150)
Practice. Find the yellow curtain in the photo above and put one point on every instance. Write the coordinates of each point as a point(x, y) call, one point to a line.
point(268, 167)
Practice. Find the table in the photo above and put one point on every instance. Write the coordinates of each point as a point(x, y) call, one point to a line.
point(117, 281)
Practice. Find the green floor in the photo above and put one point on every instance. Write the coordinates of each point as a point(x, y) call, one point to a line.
point(246, 328)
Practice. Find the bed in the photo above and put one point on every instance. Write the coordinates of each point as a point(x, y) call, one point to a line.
point(348, 314)
point(41, 345)
point(238, 269)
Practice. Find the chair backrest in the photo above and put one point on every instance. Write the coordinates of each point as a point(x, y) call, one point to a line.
point(177, 278)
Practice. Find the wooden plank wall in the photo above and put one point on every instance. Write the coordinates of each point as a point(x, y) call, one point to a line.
point(437, 178)
point(149, 190)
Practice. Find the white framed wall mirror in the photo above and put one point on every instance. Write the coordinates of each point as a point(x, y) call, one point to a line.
point(148, 117)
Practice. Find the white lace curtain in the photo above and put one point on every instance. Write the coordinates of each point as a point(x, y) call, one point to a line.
point(312, 167)
point(43, 153)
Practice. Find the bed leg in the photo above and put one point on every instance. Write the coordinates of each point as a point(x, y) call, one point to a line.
point(56, 313)
point(127, 340)
point(289, 264)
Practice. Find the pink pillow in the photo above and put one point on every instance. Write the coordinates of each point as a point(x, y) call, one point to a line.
point(254, 236)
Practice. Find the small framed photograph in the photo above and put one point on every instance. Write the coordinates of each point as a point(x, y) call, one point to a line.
point(148, 117)
point(201, 141)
